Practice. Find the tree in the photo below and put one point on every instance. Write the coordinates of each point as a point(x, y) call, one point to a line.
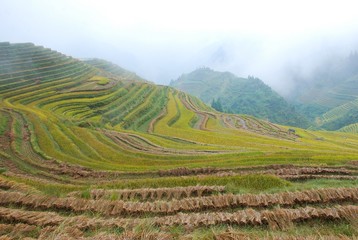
point(216, 104)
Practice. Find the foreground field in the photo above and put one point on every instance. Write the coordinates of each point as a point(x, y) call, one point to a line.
point(89, 150)
point(212, 204)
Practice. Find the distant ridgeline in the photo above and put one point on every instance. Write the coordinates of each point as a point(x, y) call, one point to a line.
point(330, 95)
point(228, 93)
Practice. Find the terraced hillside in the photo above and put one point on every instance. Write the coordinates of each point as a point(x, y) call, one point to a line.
point(113, 69)
point(340, 117)
point(91, 154)
point(352, 128)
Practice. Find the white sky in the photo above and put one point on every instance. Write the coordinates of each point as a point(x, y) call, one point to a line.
point(161, 39)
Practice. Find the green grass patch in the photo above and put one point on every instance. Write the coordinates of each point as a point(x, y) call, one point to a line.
point(248, 183)
point(18, 135)
point(4, 122)
point(321, 183)
point(100, 80)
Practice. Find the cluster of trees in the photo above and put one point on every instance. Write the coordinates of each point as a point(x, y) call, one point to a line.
point(216, 104)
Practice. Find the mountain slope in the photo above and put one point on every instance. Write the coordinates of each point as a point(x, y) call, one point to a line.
point(59, 108)
point(239, 95)
point(72, 117)
point(333, 89)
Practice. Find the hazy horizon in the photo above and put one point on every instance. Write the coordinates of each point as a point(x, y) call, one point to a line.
point(160, 40)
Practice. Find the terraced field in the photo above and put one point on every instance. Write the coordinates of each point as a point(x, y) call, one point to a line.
point(352, 128)
point(90, 151)
point(336, 112)
point(340, 116)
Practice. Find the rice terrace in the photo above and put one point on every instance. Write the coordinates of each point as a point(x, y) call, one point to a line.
point(90, 150)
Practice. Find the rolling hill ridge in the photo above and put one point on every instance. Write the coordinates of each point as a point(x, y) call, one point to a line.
point(113, 69)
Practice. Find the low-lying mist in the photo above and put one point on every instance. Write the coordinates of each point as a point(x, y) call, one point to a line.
point(278, 42)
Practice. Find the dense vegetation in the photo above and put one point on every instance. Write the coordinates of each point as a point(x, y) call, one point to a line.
point(230, 94)
point(87, 153)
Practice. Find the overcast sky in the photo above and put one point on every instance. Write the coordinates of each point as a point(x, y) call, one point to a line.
point(160, 40)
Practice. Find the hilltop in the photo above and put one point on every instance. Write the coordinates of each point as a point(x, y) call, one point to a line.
point(89, 150)
point(112, 69)
point(239, 95)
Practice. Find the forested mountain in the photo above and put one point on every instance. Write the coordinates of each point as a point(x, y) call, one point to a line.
point(229, 93)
